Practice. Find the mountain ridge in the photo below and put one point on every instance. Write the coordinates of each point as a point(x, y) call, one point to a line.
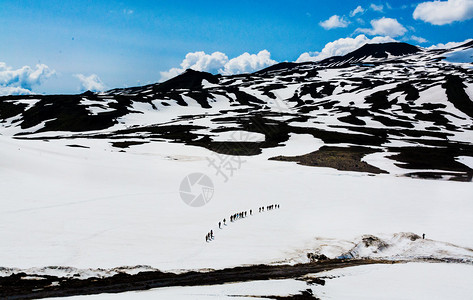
point(396, 107)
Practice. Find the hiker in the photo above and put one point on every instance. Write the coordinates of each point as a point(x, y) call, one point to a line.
point(251, 212)
point(224, 222)
point(423, 236)
point(220, 225)
point(211, 234)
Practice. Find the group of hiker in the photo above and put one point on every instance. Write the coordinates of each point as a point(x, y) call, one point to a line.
point(269, 207)
point(209, 236)
point(236, 216)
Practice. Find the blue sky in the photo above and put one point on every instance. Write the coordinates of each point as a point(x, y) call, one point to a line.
point(127, 43)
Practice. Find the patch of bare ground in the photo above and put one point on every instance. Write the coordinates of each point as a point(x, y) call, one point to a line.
point(22, 286)
point(340, 158)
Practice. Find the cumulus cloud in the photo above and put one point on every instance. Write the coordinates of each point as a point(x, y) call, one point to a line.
point(449, 45)
point(342, 46)
point(334, 22)
point(246, 63)
point(377, 7)
point(218, 62)
point(357, 10)
point(384, 26)
point(90, 83)
point(418, 39)
point(21, 81)
point(444, 12)
point(199, 61)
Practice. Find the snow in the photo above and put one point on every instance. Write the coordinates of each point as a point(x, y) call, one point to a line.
point(460, 56)
point(239, 136)
point(466, 160)
point(100, 208)
point(29, 102)
point(407, 246)
point(399, 281)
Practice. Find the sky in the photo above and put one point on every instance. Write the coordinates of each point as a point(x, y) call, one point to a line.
point(68, 46)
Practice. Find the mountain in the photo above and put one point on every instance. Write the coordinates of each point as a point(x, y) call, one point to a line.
point(409, 107)
point(373, 51)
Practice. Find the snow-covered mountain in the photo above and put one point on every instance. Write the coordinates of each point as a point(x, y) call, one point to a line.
point(91, 184)
point(390, 107)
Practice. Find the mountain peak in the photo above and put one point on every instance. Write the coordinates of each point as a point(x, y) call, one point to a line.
point(374, 51)
point(190, 79)
point(382, 50)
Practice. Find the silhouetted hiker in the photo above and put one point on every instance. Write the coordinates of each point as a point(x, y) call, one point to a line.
point(219, 225)
point(211, 234)
point(251, 212)
point(224, 222)
point(423, 236)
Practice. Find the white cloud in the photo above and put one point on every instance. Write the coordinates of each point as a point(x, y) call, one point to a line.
point(384, 26)
point(11, 90)
point(342, 46)
point(418, 39)
point(377, 7)
point(246, 63)
point(22, 80)
point(218, 62)
point(128, 11)
point(444, 12)
point(360, 20)
point(334, 22)
point(199, 61)
point(90, 83)
point(449, 45)
point(357, 10)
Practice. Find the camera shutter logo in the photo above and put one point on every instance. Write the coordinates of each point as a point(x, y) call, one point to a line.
point(196, 189)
